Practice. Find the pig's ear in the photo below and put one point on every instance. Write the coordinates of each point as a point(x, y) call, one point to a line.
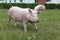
point(30, 10)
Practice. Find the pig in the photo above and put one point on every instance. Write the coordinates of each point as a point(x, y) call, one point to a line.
point(40, 8)
point(24, 15)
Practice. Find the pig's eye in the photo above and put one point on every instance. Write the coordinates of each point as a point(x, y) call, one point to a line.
point(32, 15)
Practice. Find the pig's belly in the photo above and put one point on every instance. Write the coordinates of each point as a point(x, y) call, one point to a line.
point(18, 18)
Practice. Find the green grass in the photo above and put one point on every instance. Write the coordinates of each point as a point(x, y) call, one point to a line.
point(48, 27)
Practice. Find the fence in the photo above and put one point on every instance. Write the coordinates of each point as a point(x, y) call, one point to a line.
point(17, 1)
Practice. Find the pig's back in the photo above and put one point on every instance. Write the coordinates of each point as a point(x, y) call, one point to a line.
point(19, 13)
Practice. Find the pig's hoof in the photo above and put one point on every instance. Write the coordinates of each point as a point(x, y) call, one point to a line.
point(36, 30)
point(25, 30)
point(15, 26)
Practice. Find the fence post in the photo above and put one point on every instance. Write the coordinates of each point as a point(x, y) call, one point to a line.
point(2, 1)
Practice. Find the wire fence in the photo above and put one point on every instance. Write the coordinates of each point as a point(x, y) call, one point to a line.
point(18, 1)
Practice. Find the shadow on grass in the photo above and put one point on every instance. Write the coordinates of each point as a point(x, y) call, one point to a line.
point(20, 27)
point(29, 27)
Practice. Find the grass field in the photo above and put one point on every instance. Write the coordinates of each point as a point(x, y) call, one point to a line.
point(48, 27)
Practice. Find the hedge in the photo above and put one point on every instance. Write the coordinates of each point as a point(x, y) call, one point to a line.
point(52, 6)
point(24, 5)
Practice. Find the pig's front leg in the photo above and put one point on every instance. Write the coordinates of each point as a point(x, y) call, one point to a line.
point(35, 25)
point(25, 26)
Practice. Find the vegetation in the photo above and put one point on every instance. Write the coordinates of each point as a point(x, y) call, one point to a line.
point(48, 27)
point(24, 5)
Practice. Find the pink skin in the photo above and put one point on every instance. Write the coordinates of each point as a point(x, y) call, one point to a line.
point(23, 15)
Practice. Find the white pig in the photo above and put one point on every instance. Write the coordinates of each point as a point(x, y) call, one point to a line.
point(23, 15)
point(39, 8)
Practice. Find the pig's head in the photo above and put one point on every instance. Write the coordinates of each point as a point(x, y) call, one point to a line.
point(33, 16)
